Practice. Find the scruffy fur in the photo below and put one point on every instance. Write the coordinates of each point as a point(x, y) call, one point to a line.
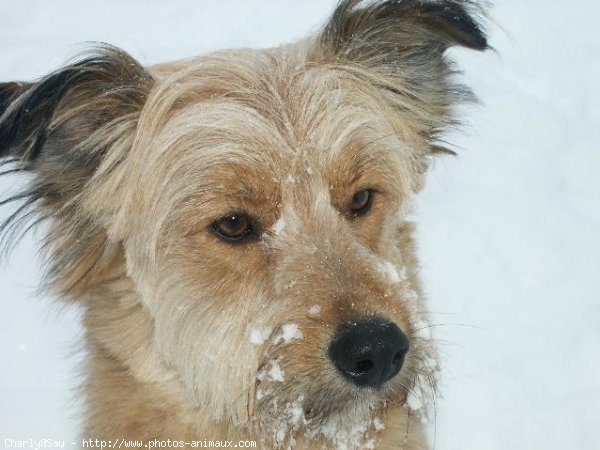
point(132, 166)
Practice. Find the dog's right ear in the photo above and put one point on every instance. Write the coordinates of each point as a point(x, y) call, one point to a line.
point(64, 130)
point(70, 117)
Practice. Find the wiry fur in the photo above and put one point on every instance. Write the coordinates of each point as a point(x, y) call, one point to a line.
point(132, 166)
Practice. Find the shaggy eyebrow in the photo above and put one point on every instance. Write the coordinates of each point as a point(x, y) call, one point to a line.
point(233, 186)
point(365, 166)
point(360, 163)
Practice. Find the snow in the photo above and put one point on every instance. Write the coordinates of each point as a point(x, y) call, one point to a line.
point(275, 373)
point(291, 332)
point(259, 335)
point(414, 401)
point(390, 271)
point(262, 393)
point(279, 226)
point(314, 310)
point(345, 436)
point(509, 232)
point(378, 424)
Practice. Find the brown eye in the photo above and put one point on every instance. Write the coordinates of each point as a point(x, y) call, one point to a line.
point(235, 227)
point(361, 202)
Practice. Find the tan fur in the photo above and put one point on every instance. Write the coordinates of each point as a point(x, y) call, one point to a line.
point(287, 135)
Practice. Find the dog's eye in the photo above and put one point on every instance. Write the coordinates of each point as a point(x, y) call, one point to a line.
point(235, 227)
point(361, 202)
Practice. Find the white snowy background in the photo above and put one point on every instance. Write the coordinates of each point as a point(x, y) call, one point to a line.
point(509, 231)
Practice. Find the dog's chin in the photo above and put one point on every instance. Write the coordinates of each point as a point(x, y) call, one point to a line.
point(352, 401)
point(335, 411)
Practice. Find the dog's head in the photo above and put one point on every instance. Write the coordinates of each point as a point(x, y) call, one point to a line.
point(245, 213)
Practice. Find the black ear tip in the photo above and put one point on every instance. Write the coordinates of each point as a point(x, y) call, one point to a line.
point(460, 21)
point(474, 36)
point(9, 92)
point(449, 22)
point(477, 40)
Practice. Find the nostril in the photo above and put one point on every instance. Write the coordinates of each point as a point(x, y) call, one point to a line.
point(362, 367)
point(398, 357)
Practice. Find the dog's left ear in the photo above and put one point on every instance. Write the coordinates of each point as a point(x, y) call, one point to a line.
point(399, 45)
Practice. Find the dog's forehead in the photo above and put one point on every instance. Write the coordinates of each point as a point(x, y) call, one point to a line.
point(236, 154)
point(240, 122)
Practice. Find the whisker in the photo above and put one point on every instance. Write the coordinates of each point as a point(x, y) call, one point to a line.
point(408, 412)
point(6, 172)
point(9, 161)
point(433, 390)
point(467, 325)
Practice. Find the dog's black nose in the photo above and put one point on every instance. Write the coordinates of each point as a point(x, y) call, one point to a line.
point(369, 353)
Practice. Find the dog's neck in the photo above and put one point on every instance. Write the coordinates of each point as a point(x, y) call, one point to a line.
point(130, 392)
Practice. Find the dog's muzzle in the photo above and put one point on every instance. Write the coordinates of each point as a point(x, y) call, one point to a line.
point(369, 353)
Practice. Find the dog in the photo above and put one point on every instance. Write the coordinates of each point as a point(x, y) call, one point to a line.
point(236, 227)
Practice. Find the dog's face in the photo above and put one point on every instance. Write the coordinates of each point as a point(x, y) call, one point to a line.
point(255, 204)
point(282, 224)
